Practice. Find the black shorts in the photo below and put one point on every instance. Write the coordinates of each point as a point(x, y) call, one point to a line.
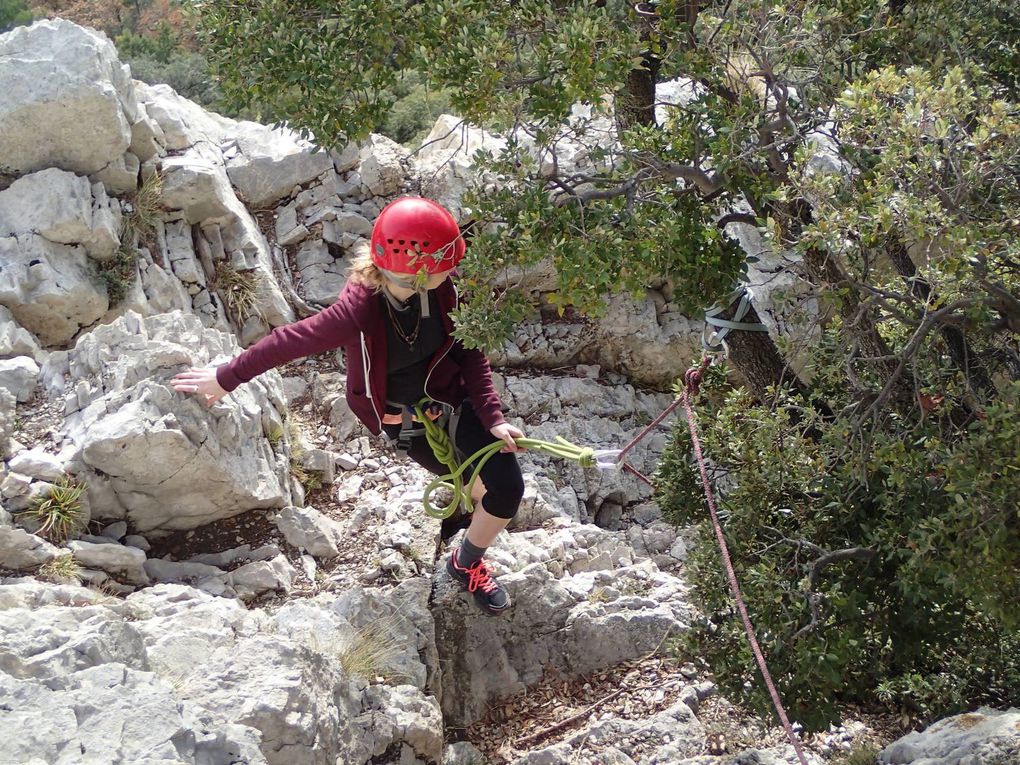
point(501, 475)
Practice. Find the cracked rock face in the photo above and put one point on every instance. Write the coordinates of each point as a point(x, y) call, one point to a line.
point(157, 458)
point(172, 674)
point(49, 288)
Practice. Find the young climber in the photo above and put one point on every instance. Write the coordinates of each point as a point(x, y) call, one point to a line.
point(392, 319)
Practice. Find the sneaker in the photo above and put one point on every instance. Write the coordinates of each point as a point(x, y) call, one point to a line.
point(489, 595)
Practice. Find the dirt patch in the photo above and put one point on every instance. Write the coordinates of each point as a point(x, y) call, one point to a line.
point(558, 707)
point(255, 528)
point(38, 422)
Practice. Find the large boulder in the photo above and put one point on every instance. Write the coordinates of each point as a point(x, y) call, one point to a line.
point(15, 340)
point(214, 682)
point(19, 549)
point(159, 459)
point(179, 123)
point(62, 207)
point(49, 288)
point(983, 737)
point(383, 165)
point(268, 163)
point(446, 161)
point(68, 102)
point(582, 602)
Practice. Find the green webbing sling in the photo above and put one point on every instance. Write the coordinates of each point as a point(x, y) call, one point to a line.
point(443, 448)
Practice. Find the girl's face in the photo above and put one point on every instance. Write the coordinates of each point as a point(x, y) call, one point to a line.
point(434, 280)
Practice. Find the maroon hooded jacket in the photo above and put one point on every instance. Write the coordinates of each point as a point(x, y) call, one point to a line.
point(356, 323)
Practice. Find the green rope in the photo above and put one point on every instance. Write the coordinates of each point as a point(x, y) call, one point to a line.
point(440, 442)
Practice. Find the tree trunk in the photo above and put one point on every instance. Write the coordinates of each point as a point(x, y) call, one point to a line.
point(956, 341)
point(757, 358)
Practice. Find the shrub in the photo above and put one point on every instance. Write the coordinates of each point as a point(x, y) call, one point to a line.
point(119, 272)
point(13, 13)
point(878, 570)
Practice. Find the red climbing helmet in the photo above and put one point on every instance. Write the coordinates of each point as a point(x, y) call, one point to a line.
point(411, 233)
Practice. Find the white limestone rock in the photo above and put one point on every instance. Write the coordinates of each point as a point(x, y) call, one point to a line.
point(161, 459)
point(180, 571)
point(39, 464)
point(271, 162)
point(310, 530)
point(147, 140)
point(49, 288)
point(68, 102)
point(196, 182)
point(255, 579)
point(119, 560)
point(446, 161)
point(19, 376)
point(382, 165)
point(8, 420)
point(982, 737)
point(21, 550)
point(180, 122)
point(16, 340)
point(62, 207)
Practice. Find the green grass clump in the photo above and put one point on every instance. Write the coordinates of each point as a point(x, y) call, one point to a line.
point(60, 511)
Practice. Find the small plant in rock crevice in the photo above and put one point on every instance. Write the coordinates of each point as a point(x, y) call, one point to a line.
point(239, 289)
point(310, 481)
point(60, 511)
point(119, 272)
point(60, 570)
point(372, 651)
point(145, 205)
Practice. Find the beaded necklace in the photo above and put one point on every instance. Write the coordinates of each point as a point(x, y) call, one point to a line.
point(408, 337)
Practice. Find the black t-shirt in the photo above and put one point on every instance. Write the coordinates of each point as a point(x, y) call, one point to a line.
point(410, 347)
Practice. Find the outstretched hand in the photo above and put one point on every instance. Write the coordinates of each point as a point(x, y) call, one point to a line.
point(201, 381)
point(507, 433)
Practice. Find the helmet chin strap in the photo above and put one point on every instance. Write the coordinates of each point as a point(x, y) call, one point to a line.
point(401, 280)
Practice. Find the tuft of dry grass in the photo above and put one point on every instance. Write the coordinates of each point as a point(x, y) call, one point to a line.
point(371, 652)
point(63, 569)
point(240, 290)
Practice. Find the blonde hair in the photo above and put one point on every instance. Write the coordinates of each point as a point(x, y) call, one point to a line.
point(363, 270)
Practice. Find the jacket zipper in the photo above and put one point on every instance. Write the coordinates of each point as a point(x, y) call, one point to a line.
point(366, 366)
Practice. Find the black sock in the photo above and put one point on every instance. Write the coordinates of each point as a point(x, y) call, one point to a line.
point(469, 553)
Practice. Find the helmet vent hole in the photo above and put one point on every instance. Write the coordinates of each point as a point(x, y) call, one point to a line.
point(389, 241)
point(424, 244)
point(400, 241)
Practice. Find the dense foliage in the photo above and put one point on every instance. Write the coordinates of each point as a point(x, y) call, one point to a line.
point(870, 478)
point(13, 13)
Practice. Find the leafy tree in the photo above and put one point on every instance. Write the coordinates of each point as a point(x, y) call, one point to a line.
point(871, 500)
point(13, 13)
point(415, 109)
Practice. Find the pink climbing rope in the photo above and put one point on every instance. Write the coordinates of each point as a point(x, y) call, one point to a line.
point(692, 381)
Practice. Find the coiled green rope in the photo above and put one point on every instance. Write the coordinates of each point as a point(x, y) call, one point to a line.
point(439, 440)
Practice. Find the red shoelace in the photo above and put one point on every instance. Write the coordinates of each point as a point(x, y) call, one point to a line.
point(479, 577)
